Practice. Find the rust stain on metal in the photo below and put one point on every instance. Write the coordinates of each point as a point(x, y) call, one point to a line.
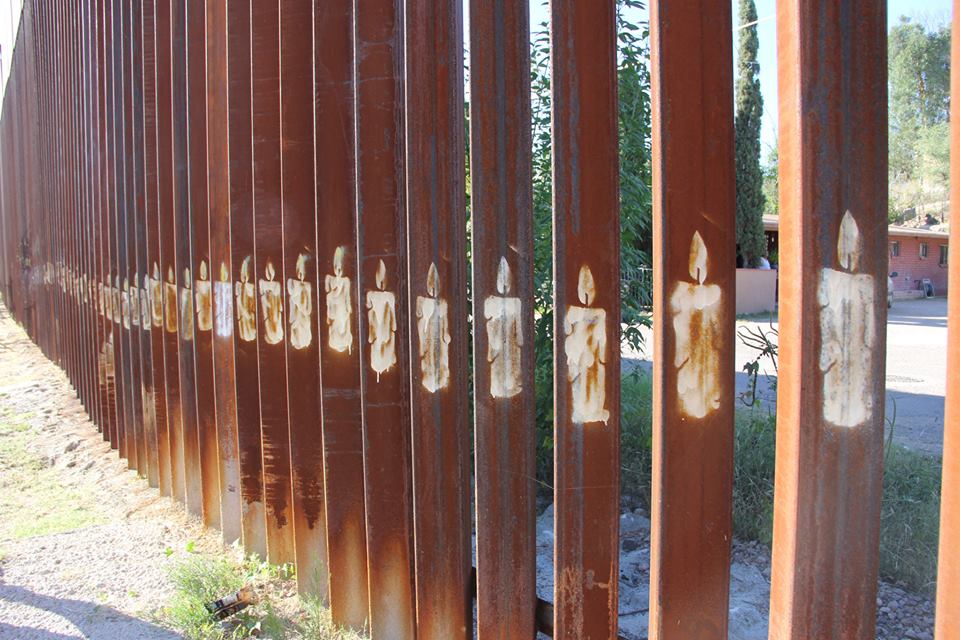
point(833, 159)
point(587, 303)
point(360, 94)
point(240, 135)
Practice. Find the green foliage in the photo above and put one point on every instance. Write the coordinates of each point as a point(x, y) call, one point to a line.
point(771, 184)
point(910, 519)
point(635, 202)
point(751, 201)
point(636, 436)
point(919, 72)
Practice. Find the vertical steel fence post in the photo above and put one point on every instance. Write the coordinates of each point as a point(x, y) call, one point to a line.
point(694, 239)
point(382, 287)
point(948, 569)
point(501, 211)
point(586, 270)
point(833, 290)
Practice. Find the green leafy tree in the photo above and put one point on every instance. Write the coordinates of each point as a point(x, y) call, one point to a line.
point(749, 105)
point(635, 202)
point(919, 73)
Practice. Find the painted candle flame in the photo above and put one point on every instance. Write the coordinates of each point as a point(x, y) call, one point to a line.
point(503, 277)
point(302, 266)
point(433, 281)
point(381, 275)
point(203, 270)
point(224, 272)
point(848, 243)
point(338, 257)
point(586, 288)
point(698, 258)
point(269, 271)
point(245, 269)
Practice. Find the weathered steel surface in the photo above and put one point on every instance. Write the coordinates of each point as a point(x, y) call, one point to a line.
point(201, 269)
point(587, 318)
point(221, 268)
point(167, 275)
point(436, 238)
point(833, 289)
point(133, 157)
point(503, 335)
point(245, 278)
point(300, 289)
point(183, 274)
point(268, 217)
point(150, 277)
point(383, 338)
point(948, 569)
point(694, 259)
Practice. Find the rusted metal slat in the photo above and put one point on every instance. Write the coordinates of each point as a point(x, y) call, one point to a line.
point(586, 272)
point(383, 339)
point(245, 278)
point(201, 284)
point(107, 355)
point(218, 176)
point(152, 277)
point(137, 459)
point(503, 334)
point(694, 279)
point(268, 216)
point(300, 288)
point(833, 203)
point(139, 303)
point(948, 568)
point(118, 231)
point(183, 250)
point(168, 246)
point(436, 240)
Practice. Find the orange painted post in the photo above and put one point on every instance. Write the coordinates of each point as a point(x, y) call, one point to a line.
point(586, 268)
point(948, 569)
point(694, 231)
point(833, 289)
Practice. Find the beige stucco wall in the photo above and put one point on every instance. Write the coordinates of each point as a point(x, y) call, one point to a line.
point(756, 290)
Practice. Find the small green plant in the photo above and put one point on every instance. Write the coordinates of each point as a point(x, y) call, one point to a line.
point(316, 623)
point(198, 580)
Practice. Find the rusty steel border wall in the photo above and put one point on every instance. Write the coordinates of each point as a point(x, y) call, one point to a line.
point(241, 229)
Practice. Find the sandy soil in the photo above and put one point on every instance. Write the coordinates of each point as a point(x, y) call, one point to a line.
point(84, 543)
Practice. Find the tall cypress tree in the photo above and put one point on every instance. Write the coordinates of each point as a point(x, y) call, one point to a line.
point(750, 199)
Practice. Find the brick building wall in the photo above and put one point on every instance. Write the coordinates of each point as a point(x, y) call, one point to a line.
point(911, 268)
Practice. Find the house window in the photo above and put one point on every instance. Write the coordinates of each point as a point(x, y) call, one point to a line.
point(923, 250)
point(943, 255)
point(895, 249)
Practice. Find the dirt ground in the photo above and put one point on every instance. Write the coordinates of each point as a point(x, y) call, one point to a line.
point(84, 543)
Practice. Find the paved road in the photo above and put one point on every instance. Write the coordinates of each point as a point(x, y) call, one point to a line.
point(916, 370)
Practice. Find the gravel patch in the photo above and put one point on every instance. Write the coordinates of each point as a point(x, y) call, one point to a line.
point(105, 580)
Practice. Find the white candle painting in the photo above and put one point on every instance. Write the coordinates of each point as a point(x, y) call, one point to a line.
point(847, 333)
point(246, 296)
point(170, 302)
point(434, 334)
point(585, 347)
point(504, 337)
point(271, 306)
point(186, 307)
point(337, 286)
point(695, 307)
point(300, 304)
point(156, 297)
point(203, 296)
point(223, 303)
point(382, 320)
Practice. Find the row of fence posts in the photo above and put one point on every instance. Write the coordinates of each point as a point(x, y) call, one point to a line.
point(240, 227)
